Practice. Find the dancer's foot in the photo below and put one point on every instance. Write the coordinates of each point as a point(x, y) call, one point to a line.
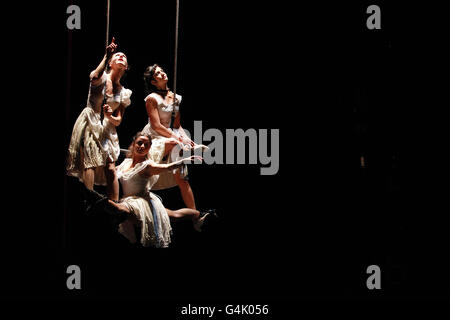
point(201, 220)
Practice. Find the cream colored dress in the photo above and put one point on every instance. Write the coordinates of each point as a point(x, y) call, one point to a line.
point(94, 143)
point(153, 220)
point(166, 179)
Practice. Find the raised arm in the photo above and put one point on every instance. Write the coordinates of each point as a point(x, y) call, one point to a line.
point(96, 75)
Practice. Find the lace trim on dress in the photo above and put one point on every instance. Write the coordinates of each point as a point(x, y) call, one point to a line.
point(123, 97)
point(135, 170)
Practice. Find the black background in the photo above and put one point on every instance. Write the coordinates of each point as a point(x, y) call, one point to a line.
point(336, 90)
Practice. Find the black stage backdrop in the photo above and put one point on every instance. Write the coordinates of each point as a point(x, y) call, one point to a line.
point(336, 91)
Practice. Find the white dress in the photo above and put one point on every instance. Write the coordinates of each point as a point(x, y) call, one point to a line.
point(153, 220)
point(94, 143)
point(165, 179)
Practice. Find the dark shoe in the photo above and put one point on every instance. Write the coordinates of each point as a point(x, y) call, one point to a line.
point(201, 220)
point(211, 212)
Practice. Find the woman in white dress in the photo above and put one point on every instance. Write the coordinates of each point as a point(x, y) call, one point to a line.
point(94, 145)
point(140, 210)
point(160, 103)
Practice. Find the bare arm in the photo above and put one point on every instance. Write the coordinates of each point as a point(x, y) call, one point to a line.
point(97, 74)
point(155, 122)
point(156, 168)
point(114, 117)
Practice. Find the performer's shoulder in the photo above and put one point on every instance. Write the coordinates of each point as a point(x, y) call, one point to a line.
point(149, 162)
point(123, 164)
point(96, 80)
point(126, 93)
point(152, 97)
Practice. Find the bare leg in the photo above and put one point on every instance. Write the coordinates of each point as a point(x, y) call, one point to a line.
point(184, 214)
point(112, 184)
point(168, 146)
point(186, 191)
point(88, 178)
point(88, 174)
point(188, 213)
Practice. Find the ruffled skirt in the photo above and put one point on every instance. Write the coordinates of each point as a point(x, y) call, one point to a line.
point(153, 221)
point(92, 145)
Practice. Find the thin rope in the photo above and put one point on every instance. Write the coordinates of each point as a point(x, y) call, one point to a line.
point(107, 41)
point(172, 120)
point(107, 22)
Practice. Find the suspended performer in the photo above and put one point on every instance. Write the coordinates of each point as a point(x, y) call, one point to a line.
point(140, 211)
point(94, 145)
point(164, 125)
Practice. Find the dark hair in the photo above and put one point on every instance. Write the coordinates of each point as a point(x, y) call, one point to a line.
point(149, 74)
point(137, 135)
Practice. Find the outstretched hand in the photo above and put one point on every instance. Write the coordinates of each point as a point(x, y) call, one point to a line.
point(111, 48)
point(188, 142)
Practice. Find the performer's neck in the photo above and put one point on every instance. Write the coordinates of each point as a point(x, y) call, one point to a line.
point(163, 89)
point(115, 76)
point(137, 159)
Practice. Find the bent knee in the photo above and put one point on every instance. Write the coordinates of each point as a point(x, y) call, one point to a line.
point(181, 181)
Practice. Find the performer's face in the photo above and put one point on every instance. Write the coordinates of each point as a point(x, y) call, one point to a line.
point(142, 145)
point(159, 76)
point(119, 59)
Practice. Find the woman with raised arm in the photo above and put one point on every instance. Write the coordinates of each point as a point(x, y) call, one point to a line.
point(94, 145)
point(161, 105)
point(140, 210)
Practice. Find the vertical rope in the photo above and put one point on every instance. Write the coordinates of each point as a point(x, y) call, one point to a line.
point(107, 22)
point(174, 103)
point(107, 41)
point(176, 48)
point(175, 64)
